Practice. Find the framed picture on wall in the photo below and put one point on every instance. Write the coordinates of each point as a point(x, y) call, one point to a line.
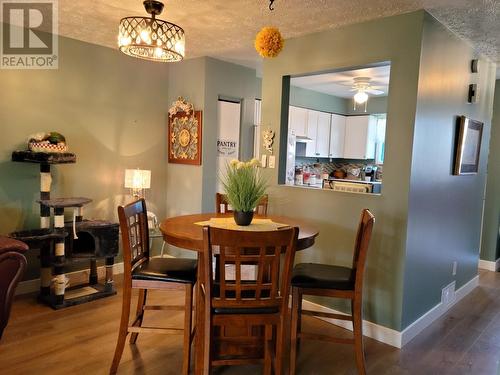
point(184, 133)
point(468, 146)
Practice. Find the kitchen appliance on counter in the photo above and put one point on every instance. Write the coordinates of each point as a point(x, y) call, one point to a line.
point(352, 187)
point(370, 171)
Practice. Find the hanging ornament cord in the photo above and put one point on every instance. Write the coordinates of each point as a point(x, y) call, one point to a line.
point(271, 6)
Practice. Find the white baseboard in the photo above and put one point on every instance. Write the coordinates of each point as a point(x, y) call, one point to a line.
point(433, 314)
point(489, 265)
point(375, 331)
point(75, 278)
point(390, 336)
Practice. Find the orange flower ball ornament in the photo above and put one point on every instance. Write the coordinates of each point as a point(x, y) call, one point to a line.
point(269, 42)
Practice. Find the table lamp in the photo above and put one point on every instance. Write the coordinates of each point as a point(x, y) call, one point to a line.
point(137, 180)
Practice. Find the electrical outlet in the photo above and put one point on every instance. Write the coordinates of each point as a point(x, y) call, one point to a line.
point(448, 294)
point(272, 161)
point(454, 269)
point(263, 161)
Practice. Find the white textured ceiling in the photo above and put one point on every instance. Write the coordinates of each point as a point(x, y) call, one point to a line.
point(341, 83)
point(226, 29)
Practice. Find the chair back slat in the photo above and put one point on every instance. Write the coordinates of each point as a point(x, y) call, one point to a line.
point(361, 245)
point(135, 234)
point(238, 249)
point(222, 206)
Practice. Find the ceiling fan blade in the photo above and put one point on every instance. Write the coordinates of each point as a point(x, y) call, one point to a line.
point(374, 92)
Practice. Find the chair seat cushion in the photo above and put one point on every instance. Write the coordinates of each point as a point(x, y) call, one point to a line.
point(324, 276)
point(178, 270)
point(10, 244)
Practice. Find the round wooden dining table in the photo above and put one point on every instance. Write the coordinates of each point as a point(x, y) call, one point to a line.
point(183, 232)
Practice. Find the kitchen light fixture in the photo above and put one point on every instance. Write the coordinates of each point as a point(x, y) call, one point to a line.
point(137, 180)
point(150, 38)
point(360, 97)
point(362, 87)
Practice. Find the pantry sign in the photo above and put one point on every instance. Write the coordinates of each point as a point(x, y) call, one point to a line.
point(227, 148)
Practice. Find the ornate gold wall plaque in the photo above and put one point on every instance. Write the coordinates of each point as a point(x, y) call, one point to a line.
point(184, 134)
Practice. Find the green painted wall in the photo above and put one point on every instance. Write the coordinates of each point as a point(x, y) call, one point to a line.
point(444, 221)
point(226, 80)
point(490, 245)
point(395, 39)
point(184, 182)
point(191, 189)
point(112, 110)
point(318, 101)
point(375, 105)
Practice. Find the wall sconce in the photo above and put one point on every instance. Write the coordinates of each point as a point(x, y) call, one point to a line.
point(137, 180)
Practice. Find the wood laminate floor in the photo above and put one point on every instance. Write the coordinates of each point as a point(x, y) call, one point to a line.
point(81, 340)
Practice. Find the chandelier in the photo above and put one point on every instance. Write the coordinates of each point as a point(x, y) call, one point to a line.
point(150, 38)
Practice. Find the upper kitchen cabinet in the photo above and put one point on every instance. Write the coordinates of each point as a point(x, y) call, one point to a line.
point(297, 121)
point(360, 137)
point(318, 130)
point(337, 136)
point(312, 132)
point(323, 135)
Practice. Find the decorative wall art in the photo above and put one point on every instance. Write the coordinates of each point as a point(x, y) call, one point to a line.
point(184, 133)
point(268, 140)
point(468, 146)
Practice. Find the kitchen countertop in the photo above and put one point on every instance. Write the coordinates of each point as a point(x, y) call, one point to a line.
point(356, 181)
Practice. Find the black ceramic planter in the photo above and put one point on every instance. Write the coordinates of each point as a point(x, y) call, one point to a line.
point(243, 218)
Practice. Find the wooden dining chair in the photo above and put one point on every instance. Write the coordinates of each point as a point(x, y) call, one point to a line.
point(145, 273)
point(222, 206)
point(261, 302)
point(338, 282)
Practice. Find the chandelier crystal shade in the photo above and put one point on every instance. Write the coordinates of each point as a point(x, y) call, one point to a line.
point(150, 38)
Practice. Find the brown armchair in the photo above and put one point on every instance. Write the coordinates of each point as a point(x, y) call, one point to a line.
point(12, 267)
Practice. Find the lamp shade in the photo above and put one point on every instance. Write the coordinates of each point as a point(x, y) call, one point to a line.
point(137, 178)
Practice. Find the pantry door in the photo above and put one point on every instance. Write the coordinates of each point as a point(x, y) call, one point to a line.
point(228, 135)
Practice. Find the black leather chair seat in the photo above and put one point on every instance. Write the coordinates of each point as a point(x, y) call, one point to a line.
point(313, 275)
point(176, 270)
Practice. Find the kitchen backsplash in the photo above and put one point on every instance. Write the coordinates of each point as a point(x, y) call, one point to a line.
point(325, 165)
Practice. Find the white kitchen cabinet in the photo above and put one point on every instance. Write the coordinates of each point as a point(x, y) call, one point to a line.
point(312, 132)
point(337, 136)
point(297, 121)
point(318, 130)
point(360, 137)
point(323, 135)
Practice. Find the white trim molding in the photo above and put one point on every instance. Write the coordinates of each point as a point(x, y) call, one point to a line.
point(435, 313)
point(489, 265)
point(380, 333)
point(390, 336)
point(75, 278)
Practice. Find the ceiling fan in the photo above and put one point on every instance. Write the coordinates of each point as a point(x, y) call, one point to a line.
point(363, 84)
point(363, 87)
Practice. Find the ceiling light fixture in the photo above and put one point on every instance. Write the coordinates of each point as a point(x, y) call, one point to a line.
point(150, 38)
point(361, 97)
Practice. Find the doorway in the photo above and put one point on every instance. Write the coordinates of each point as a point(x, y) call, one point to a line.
point(228, 134)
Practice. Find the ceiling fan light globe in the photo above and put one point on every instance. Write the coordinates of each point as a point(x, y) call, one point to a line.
point(360, 97)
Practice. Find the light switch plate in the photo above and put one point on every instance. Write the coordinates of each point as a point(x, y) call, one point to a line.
point(263, 161)
point(272, 161)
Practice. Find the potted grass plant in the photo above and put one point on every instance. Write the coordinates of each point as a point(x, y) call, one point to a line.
point(244, 187)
